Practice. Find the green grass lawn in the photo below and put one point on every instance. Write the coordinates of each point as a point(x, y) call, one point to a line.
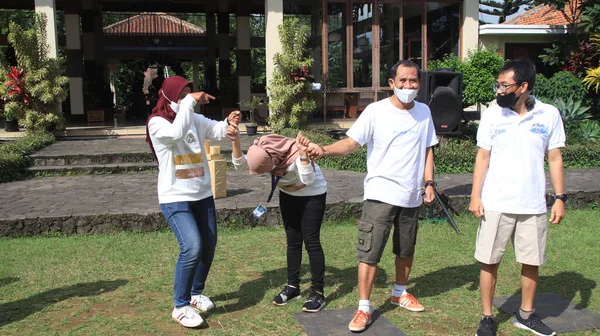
point(122, 283)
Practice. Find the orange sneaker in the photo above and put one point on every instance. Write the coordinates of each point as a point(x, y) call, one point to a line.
point(408, 302)
point(360, 321)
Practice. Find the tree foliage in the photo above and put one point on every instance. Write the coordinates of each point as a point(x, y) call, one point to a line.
point(503, 9)
point(290, 89)
point(43, 81)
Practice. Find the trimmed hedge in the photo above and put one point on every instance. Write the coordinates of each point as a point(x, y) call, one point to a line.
point(452, 156)
point(13, 155)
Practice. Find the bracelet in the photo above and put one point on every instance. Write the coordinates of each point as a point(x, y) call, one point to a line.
point(430, 183)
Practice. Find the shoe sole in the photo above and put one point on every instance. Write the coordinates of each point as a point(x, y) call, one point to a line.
point(204, 310)
point(524, 327)
point(194, 326)
point(304, 309)
point(286, 302)
point(359, 329)
point(411, 309)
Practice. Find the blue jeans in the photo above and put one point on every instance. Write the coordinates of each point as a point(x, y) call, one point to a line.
point(195, 227)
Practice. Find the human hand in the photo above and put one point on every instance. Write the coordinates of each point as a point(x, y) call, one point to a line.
point(202, 97)
point(315, 151)
point(558, 212)
point(233, 133)
point(302, 143)
point(234, 118)
point(429, 195)
point(476, 207)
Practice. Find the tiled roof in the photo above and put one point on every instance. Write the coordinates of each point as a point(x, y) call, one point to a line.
point(541, 15)
point(153, 24)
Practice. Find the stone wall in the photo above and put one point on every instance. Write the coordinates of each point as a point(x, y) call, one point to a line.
point(235, 218)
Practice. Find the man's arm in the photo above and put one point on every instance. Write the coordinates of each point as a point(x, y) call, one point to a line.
point(339, 148)
point(482, 162)
point(557, 175)
point(428, 175)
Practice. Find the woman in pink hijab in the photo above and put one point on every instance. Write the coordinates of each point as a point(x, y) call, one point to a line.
point(302, 193)
point(176, 137)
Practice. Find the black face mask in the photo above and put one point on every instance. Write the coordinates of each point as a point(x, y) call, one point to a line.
point(507, 100)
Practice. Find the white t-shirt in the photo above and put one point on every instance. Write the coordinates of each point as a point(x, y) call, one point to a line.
point(396, 146)
point(183, 173)
point(296, 175)
point(515, 182)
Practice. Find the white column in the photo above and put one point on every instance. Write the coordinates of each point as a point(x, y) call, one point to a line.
point(48, 7)
point(112, 79)
point(469, 32)
point(273, 17)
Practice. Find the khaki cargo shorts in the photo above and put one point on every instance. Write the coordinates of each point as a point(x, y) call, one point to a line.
point(375, 226)
point(527, 232)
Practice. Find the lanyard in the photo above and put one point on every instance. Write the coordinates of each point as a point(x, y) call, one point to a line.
point(274, 182)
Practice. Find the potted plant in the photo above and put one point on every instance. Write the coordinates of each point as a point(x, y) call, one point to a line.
point(251, 128)
point(15, 99)
point(12, 112)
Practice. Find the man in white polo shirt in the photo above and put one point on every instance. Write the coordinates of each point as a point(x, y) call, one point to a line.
point(509, 189)
point(399, 134)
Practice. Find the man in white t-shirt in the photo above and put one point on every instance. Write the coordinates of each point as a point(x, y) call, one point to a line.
point(399, 134)
point(509, 189)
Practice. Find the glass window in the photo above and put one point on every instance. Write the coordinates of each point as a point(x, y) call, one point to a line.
point(336, 23)
point(413, 32)
point(389, 40)
point(443, 29)
point(362, 55)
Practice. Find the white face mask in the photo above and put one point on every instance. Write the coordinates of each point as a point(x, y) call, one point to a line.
point(406, 96)
point(173, 105)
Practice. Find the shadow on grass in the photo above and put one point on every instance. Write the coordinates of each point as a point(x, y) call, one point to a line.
point(441, 281)
point(252, 292)
point(17, 310)
point(7, 281)
point(566, 284)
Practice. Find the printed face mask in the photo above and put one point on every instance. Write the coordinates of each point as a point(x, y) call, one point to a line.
point(507, 100)
point(173, 105)
point(405, 95)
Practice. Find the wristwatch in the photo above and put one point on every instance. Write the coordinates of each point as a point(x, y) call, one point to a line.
point(430, 183)
point(562, 197)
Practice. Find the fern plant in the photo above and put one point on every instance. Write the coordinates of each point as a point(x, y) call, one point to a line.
point(588, 131)
point(290, 101)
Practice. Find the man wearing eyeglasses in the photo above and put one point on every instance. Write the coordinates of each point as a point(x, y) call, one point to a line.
point(509, 189)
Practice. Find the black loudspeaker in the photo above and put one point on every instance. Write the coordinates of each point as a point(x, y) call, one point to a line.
point(442, 92)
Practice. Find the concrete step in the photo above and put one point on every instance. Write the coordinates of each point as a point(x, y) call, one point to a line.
point(41, 160)
point(110, 168)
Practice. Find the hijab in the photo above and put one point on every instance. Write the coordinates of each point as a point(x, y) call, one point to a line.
point(271, 154)
point(169, 92)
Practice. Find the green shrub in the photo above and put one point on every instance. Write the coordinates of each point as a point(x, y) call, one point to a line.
point(13, 156)
point(562, 85)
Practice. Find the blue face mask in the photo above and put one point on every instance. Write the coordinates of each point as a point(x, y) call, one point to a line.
point(173, 105)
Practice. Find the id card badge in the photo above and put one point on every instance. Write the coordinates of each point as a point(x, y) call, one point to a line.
point(259, 211)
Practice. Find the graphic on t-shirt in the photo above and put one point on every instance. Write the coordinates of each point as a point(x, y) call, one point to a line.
point(187, 159)
point(189, 173)
point(191, 141)
point(538, 128)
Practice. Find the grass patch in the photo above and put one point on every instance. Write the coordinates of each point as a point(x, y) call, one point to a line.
point(122, 283)
point(13, 155)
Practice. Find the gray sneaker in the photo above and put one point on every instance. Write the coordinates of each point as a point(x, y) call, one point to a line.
point(533, 324)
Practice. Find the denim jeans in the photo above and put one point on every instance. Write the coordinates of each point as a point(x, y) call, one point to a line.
point(195, 227)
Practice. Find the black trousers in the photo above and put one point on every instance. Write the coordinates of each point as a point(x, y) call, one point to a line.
point(302, 218)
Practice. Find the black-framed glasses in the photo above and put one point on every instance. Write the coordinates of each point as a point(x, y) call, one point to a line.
point(504, 87)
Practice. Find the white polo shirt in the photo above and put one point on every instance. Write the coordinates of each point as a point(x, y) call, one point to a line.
point(396, 145)
point(515, 182)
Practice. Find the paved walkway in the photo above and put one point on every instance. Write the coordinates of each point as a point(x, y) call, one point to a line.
point(136, 192)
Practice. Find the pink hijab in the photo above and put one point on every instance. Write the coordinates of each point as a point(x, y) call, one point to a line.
point(271, 154)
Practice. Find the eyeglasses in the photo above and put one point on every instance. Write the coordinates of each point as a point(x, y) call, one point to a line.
point(504, 87)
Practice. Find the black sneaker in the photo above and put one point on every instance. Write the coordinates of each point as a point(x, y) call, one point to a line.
point(533, 324)
point(486, 327)
point(315, 302)
point(288, 293)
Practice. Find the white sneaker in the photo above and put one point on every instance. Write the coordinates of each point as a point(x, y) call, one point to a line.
point(187, 316)
point(203, 303)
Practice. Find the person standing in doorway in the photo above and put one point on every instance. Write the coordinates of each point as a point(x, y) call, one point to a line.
point(399, 134)
point(509, 189)
point(176, 137)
